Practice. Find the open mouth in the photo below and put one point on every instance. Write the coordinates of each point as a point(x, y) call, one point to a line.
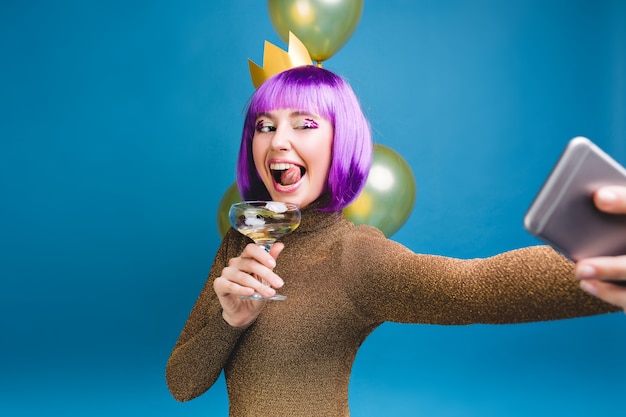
point(286, 174)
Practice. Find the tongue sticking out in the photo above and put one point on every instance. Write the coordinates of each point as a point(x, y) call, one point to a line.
point(290, 176)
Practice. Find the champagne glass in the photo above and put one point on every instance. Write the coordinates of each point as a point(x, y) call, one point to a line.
point(264, 222)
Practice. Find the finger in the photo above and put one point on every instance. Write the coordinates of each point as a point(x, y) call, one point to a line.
point(248, 271)
point(613, 294)
point(254, 276)
point(611, 199)
point(235, 311)
point(603, 267)
point(271, 278)
point(276, 249)
point(225, 287)
point(241, 284)
point(259, 254)
point(264, 277)
point(260, 264)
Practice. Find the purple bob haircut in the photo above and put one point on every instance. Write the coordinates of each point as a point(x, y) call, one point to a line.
point(317, 91)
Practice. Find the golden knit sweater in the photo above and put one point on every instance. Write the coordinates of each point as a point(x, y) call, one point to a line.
point(342, 281)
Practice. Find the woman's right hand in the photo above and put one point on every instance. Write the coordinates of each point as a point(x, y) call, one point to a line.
point(242, 277)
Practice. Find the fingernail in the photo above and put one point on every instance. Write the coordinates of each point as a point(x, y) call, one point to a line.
point(589, 287)
point(272, 262)
point(585, 271)
point(607, 196)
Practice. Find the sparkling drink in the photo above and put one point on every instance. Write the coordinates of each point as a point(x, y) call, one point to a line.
point(264, 222)
point(266, 234)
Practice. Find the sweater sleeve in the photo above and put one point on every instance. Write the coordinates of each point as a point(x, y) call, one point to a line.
point(205, 342)
point(528, 284)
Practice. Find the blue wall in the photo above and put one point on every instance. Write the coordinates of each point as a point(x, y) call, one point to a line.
point(119, 126)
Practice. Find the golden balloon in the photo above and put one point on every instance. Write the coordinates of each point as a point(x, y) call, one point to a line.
point(230, 197)
point(323, 26)
point(389, 193)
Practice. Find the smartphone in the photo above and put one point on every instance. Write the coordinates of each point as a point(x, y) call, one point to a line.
point(563, 213)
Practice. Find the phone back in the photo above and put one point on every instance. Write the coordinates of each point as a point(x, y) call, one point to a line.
point(563, 213)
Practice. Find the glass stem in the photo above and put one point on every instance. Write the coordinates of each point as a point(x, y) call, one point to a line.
point(266, 246)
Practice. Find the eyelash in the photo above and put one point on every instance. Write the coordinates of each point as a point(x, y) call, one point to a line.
point(261, 128)
point(310, 124)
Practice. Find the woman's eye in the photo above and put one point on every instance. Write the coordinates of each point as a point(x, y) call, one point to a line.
point(309, 124)
point(263, 128)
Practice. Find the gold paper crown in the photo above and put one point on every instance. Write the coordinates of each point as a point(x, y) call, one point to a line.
point(276, 60)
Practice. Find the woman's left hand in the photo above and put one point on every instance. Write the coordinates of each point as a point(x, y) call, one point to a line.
point(599, 276)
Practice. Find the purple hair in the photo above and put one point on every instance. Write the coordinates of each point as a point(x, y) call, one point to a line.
point(317, 91)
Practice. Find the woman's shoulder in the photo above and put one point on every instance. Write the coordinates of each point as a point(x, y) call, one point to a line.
point(364, 237)
point(335, 230)
point(365, 230)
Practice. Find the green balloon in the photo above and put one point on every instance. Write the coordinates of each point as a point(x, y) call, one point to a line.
point(230, 197)
point(389, 193)
point(323, 26)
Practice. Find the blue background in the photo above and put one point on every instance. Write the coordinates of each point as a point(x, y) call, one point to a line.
point(119, 127)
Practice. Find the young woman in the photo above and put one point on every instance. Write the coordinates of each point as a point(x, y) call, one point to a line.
point(306, 141)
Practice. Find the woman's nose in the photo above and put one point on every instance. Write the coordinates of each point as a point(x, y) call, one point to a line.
point(281, 140)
